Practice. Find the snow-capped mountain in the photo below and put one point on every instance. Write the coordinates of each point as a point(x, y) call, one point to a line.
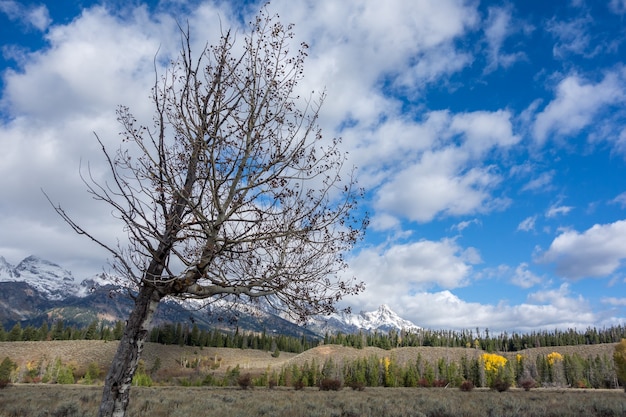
point(52, 281)
point(383, 319)
point(37, 289)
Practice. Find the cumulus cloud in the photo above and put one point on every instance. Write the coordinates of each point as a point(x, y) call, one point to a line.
point(596, 252)
point(30, 16)
point(546, 309)
point(576, 105)
point(417, 265)
point(448, 180)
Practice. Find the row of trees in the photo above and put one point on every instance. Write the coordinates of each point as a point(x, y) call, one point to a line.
point(487, 370)
point(97, 330)
point(184, 334)
point(483, 340)
point(168, 333)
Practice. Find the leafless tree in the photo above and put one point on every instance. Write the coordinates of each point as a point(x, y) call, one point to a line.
point(232, 192)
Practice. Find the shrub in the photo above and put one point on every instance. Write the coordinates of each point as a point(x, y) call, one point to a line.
point(141, 379)
point(424, 383)
point(245, 381)
point(527, 383)
point(357, 385)
point(500, 384)
point(6, 368)
point(467, 386)
point(440, 383)
point(65, 375)
point(298, 385)
point(619, 359)
point(276, 353)
point(272, 383)
point(330, 384)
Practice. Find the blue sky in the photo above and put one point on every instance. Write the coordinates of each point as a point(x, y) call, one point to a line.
point(490, 137)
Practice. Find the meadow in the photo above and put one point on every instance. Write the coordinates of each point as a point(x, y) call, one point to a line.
point(41, 400)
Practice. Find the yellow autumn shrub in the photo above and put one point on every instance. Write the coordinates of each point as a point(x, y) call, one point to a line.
point(492, 362)
point(554, 357)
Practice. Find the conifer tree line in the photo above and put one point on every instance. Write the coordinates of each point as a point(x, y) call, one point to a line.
point(552, 370)
point(168, 333)
point(193, 335)
point(479, 339)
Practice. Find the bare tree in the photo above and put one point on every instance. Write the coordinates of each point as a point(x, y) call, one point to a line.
point(231, 194)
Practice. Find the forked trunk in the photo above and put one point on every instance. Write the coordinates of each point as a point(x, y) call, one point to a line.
point(116, 393)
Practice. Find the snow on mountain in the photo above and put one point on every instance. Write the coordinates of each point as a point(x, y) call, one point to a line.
point(382, 319)
point(55, 284)
point(6, 270)
point(51, 280)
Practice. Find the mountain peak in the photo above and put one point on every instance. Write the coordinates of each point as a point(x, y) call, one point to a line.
point(47, 277)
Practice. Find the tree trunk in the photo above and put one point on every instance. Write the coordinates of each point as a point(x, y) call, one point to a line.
point(116, 393)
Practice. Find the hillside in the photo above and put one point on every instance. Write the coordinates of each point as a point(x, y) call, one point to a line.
point(173, 357)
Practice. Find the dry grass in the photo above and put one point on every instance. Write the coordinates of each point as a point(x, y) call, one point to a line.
point(83, 352)
point(78, 401)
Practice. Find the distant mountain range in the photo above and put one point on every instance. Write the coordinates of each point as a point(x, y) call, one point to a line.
point(37, 290)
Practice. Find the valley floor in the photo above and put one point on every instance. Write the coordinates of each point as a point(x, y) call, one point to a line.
point(74, 400)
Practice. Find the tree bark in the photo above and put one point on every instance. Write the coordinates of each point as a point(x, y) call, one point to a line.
point(116, 392)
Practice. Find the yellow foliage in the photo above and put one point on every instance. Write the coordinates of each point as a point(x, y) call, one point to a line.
point(554, 357)
point(32, 365)
point(386, 363)
point(493, 362)
point(518, 358)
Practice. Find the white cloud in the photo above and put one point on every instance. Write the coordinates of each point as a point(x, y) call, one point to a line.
point(465, 224)
point(37, 17)
point(556, 210)
point(620, 199)
point(542, 183)
point(576, 105)
point(614, 301)
point(597, 252)
point(411, 267)
point(572, 37)
point(543, 310)
point(447, 180)
point(525, 278)
point(499, 26)
point(527, 224)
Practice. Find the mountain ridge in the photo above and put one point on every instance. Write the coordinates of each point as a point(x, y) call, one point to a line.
point(42, 290)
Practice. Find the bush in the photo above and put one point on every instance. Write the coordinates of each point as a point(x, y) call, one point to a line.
point(440, 383)
point(527, 384)
point(272, 383)
point(245, 381)
point(141, 379)
point(357, 385)
point(298, 385)
point(329, 384)
point(424, 383)
point(500, 384)
point(6, 368)
point(467, 386)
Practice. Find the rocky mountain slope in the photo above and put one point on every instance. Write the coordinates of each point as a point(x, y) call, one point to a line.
point(38, 290)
